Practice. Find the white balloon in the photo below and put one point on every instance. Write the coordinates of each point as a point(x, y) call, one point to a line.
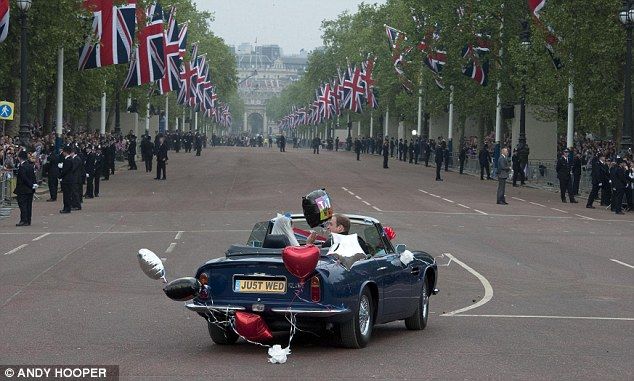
point(151, 265)
point(278, 354)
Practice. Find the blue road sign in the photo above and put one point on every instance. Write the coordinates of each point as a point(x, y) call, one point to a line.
point(6, 110)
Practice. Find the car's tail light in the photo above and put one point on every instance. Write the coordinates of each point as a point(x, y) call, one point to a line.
point(203, 279)
point(315, 289)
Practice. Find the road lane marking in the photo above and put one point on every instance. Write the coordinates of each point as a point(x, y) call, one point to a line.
point(488, 290)
point(544, 317)
point(464, 206)
point(481, 212)
point(622, 263)
point(28, 285)
point(16, 249)
point(351, 194)
point(538, 204)
point(585, 218)
point(179, 235)
point(377, 209)
point(367, 203)
point(518, 199)
point(344, 188)
point(358, 198)
point(171, 247)
point(424, 191)
point(446, 199)
point(40, 237)
point(559, 210)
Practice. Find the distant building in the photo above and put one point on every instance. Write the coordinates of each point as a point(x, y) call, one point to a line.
point(273, 52)
point(263, 73)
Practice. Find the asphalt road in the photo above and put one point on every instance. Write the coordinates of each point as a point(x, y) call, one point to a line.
point(545, 290)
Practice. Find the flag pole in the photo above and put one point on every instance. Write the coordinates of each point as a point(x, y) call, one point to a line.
point(571, 115)
point(420, 107)
point(450, 132)
point(60, 100)
point(147, 118)
point(167, 112)
point(102, 129)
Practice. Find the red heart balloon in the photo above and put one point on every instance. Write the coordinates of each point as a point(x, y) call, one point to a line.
point(300, 261)
point(252, 327)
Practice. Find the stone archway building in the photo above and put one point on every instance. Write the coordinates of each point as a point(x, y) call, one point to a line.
point(263, 72)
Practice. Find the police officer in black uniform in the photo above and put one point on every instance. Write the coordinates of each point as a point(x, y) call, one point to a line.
point(52, 173)
point(386, 152)
point(99, 166)
point(440, 148)
point(161, 159)
point(25, 188)
point(357, 147)
point(67, 179)
point(89, 167)
point(597, 179)
point(564, 168)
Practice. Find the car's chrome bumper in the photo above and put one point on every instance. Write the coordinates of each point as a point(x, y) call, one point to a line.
point(315, 312)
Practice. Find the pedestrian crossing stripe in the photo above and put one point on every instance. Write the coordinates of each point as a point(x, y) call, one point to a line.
point(6, 110)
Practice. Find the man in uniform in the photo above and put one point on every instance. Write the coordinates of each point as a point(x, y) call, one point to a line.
point(439, 157)
point(68, 180)
point(131, 151)
point(357, 147)
point(90, 172)
point(416, 151)
point(462, 157)
point(98, 170)
point(392, 146)
point(400, 150)
point(337, 144)
point(386, 152)
point(485, 162)
point(147, 154)
point(78, 177)
point(52, 173)
point(563, 168)
point(25, 188)
point(161, 159)
point(597, 180)
point(198, 144)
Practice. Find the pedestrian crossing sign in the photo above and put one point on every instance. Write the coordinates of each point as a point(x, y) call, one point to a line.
point(6, 110)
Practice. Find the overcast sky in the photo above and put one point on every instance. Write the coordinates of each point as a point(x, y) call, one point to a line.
point(292, 24)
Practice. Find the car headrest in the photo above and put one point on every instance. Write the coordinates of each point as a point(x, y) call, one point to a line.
point(276, 241)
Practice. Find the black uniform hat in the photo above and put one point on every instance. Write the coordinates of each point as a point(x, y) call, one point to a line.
point(22, 155)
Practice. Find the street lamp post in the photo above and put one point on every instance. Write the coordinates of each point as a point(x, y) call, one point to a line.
point(626, 16)
point(522, 148)
point(24, 6)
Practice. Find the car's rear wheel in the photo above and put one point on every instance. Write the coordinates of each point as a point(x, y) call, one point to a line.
point(418, 320)
point(356, 332)
point(222, 335)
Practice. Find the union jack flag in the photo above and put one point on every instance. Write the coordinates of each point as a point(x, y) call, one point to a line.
point(336, 96)
point(187, 72)
point(175, 38)
point(325, 102)
point(474, 69)
point(112, 35)
point(4, 19)
point(356, 91)
point(367, 80)
point(396, 40)
point(535, 7)
point(148, 60)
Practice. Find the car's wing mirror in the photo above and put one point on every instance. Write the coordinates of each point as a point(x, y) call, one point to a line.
point(400, 248)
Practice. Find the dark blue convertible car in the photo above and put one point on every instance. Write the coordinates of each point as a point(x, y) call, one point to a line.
point(375, 290)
